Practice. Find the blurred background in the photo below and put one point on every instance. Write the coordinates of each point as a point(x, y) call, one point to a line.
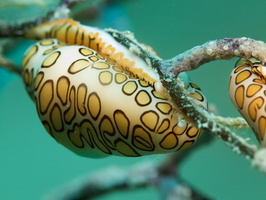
point(32, 164)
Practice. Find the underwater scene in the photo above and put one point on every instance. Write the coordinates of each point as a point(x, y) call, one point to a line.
point(132, 99)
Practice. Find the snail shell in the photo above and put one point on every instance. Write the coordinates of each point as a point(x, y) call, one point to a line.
point(100, 99)
point(247, 90)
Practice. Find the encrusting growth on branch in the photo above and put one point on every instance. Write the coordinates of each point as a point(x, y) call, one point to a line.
point(221, 49)
point(204, 119)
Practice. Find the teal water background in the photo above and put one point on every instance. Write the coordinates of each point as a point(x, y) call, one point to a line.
point(32, 163)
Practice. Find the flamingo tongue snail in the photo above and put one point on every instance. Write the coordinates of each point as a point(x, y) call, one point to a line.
point(248, 91)
point(97, 97)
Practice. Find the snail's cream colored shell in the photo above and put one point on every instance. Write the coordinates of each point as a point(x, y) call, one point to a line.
point(97, 98)
point(247, 89)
